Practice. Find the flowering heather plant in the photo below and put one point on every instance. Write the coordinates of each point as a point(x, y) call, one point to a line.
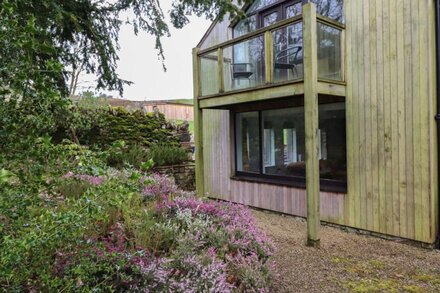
point(93, 180)
point(158, 185)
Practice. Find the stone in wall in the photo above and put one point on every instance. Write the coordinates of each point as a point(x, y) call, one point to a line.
point(183, 174)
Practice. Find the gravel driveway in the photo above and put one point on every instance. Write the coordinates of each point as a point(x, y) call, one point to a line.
point(346, 262)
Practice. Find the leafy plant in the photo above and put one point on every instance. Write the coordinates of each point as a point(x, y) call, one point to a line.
point(163, 155)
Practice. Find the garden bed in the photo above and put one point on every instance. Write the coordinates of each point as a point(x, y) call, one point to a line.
point(346, 262)
point(72, 223)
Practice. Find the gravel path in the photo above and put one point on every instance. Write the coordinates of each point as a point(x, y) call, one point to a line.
point(346, 262)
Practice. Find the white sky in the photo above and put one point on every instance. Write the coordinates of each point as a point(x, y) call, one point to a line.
point(139, 62)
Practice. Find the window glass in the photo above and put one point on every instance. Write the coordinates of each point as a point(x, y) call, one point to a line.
point(293, 10)
point(332, 141)
point(258, 4)
point(333, 9)
point(280, 151)
point(245, 26)
point(283, 142)
point(248, 142)
point(270, 18)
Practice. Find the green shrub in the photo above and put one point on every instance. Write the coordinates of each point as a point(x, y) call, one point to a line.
point(105, 126)
point(163, 155)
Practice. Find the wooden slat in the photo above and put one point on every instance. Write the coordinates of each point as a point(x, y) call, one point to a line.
point(357, 38)
point(369, 183)
point(416, 99)
point(349, 204)
point(362, 108)
point(409, 135)
point(423, 76)
point(434, 196)
point(394, 198)
point(374, 189)
point(401, 164)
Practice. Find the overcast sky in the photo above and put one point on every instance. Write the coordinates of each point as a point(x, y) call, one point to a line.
point(139, 63)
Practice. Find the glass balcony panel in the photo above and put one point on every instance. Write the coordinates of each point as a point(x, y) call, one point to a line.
point(329, 52)
point(209, 73)
point(288, 53)
point(243, 64)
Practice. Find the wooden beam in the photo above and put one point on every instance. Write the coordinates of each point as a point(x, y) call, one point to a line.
point(198, 125)
point(311, 124)
point(261, 93)
point(221, 80)
point(331, 88)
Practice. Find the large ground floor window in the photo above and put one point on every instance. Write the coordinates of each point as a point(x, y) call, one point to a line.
point(270, 143)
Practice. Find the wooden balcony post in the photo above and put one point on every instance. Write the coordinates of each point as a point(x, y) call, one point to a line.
point(311, 124)
point(268, 56)
point(198, 125)
point(221, 81)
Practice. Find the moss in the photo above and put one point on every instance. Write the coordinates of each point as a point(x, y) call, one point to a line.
point(431, 279)
point(373, 285)
point(413, 289)
point(338, 260)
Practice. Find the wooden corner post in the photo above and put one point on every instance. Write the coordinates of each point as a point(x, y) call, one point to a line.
point(311, 124)
point(198, 125)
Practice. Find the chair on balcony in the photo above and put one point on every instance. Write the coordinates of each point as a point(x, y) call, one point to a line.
point(242, 71)
point(288, 59)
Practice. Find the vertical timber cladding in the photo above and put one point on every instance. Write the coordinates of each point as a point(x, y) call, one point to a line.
point(390, 108)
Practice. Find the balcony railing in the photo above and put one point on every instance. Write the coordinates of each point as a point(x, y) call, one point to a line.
point(270, 55)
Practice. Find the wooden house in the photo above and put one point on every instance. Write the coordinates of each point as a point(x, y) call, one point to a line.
point(324, 109)
point(171, 109)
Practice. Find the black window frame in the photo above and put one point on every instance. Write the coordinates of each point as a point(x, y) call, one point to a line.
point(279, 6)
point(291, 181)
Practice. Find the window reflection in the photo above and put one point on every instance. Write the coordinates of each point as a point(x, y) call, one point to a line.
point(332, 142)
point(293, 10)
point(248, 142)
point(284, 142)
point(333, 9)
point(280, 151)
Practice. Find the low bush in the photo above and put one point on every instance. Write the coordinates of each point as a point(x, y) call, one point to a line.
point(163, 155)
point(79, 225)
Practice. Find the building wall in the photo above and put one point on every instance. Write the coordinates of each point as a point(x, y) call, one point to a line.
point(173, 112)
point(390, 55)
point(391, 137)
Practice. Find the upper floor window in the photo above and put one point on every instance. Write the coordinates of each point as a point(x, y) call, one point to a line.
point(263, 13)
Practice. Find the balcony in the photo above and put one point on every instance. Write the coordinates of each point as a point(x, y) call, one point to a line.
point(270, 62)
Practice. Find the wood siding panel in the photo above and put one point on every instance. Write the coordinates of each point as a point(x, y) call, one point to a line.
point(390, 102)
point(174, 112)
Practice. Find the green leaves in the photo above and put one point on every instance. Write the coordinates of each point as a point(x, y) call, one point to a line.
point(5, 176)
